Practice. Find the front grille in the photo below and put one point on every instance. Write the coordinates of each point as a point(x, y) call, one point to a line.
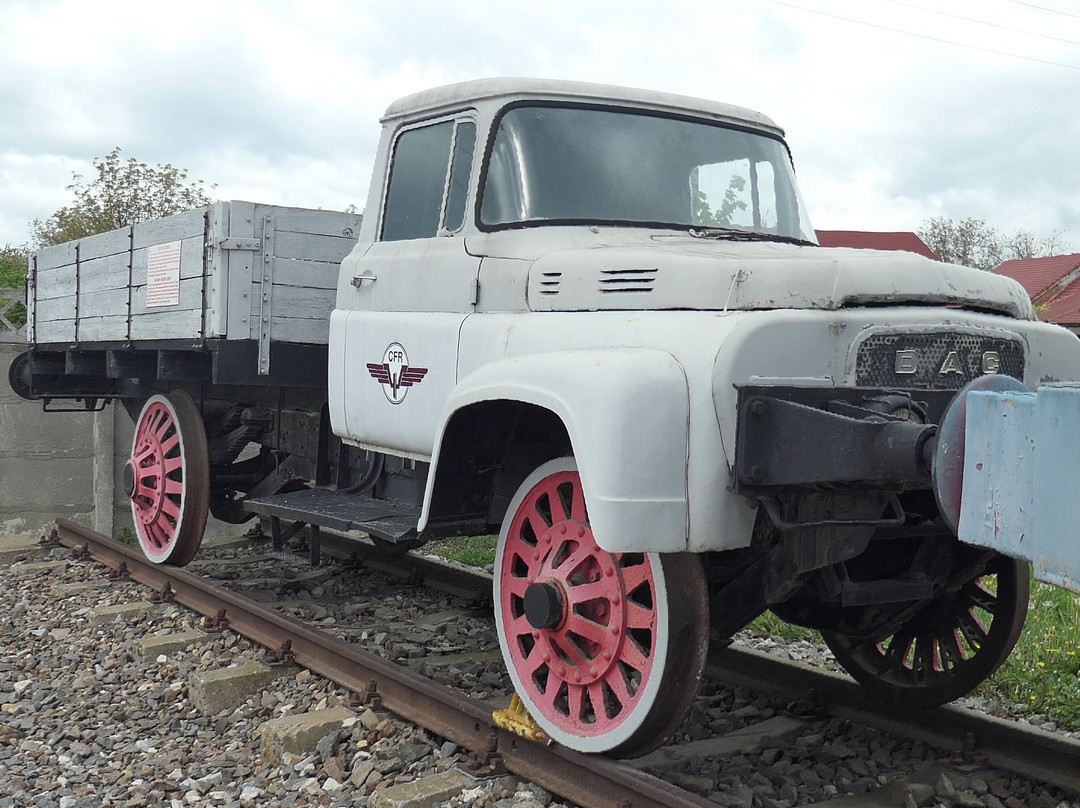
point(935, 361)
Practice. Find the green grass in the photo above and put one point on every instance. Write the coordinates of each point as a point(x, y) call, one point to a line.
point(472, 551)
point(1040, 677)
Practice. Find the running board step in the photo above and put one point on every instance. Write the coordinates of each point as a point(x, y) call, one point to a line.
point(393, 522)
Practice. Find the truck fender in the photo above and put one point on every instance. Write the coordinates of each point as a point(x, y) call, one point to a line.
point(626, 411)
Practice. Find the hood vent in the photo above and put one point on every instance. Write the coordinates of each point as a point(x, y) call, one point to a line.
point(627, 281)
point(549, 283)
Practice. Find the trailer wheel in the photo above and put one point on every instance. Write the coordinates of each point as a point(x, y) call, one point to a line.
point(605, 649)
point(167, 479)
point(949, 644)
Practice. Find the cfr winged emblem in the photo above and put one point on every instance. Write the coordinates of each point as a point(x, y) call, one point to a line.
point(394, 373)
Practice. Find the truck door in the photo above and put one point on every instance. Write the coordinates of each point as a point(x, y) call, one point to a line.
point(415, 286)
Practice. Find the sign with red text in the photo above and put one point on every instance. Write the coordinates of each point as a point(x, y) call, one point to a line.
point(163, 275)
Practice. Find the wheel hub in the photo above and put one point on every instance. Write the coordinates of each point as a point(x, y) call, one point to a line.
point(545, 605)
point(129, 479)
point(147, 471)
point(576, 587)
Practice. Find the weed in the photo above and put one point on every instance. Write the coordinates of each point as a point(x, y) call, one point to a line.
point(472, 551)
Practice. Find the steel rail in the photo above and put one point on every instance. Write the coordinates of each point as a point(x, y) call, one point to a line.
point(589, 780)
point(1016, 747)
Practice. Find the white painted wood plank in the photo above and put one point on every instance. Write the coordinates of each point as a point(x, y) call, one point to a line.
point(291, 272)
point(312, 248)
point(309, 332)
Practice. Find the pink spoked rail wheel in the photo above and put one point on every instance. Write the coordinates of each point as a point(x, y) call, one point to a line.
point(167, 479)
point(605, 649)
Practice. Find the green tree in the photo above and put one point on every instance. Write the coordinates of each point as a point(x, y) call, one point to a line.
point(13, 262)
point(974, 243)
point(124, 192)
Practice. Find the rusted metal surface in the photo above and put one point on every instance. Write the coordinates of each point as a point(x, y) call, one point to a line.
point(587, 780)
point(1036, 753)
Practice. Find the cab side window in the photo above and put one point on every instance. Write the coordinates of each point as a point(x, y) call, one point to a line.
point(429, 180)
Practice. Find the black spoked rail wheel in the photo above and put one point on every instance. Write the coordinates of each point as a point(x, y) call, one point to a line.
point(949, 645)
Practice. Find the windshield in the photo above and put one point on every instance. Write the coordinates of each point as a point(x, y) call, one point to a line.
point(559, 164)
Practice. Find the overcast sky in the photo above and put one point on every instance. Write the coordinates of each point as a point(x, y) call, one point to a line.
point(894, 112)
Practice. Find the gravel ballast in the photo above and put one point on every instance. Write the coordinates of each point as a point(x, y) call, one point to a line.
point(86, 719)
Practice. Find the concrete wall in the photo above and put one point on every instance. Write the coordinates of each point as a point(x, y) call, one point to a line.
point(58, 464)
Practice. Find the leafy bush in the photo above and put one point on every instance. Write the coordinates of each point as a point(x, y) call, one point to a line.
point(12, 276)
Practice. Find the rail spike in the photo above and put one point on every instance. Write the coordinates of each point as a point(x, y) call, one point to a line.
point(163, 595)
point(215, 625)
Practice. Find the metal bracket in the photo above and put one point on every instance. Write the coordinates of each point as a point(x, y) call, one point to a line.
point(266, 292)
point(239, 243)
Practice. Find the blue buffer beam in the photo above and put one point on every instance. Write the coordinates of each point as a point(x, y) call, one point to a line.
point(1021, 478)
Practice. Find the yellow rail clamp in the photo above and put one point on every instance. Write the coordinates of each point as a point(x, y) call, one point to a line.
point(516, 719)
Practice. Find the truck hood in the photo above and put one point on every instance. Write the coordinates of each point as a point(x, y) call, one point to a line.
point(681, 272)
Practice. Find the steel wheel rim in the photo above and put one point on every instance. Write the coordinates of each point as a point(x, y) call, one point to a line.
point(590, 679)
point(167, 479)
point(948, 646)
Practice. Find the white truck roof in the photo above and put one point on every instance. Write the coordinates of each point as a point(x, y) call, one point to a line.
point(455, 96)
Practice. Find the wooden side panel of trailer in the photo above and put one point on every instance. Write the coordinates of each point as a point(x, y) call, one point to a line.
point(243, 271)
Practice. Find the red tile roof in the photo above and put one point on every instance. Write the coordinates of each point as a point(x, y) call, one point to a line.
point(1064, 309)
point(1038, 275)
point(874, 241)
point(1052, 283)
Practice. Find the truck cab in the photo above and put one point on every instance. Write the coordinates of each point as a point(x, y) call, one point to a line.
point(602, 317)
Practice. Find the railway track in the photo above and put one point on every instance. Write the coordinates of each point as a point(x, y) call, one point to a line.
point(588, 781)
point(975, 741)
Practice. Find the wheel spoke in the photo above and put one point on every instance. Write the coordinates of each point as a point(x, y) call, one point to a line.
point(974, 631)
point(633, 656)
point(599, 701)
point(979, 597)
point(516, 586)
point(589, 591)
point(576, 702)
point(171, 507)
point(635, 577)
point(951, 650)
point(617, 683)
point(639, 616)
point(570, 564)
point(594, 632)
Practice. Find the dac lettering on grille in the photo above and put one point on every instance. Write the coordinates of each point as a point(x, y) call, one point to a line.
point(935, 361)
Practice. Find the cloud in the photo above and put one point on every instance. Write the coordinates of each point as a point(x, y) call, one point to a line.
point(894, 113)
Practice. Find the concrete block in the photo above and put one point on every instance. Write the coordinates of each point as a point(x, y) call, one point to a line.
point(31, 569)
point(12, 548)
point(422, 793)
point(128, 612)
point(778, 729)
point(298, 734)
point(224, 688)
point(153, 647)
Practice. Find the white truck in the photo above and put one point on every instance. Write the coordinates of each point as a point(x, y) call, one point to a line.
point(596, 321)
